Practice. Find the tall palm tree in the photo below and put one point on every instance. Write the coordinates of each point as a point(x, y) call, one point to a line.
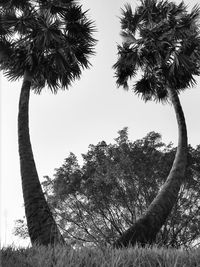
point(47, 43)
point(162, 44)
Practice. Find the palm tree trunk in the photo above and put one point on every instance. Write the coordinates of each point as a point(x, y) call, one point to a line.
point(41, 225)
point(145, 229)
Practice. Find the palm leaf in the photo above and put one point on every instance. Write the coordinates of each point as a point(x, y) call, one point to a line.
point(149, 88)
point(126, 66)
point(5, 48)
point(129, 20)
point(11, 5)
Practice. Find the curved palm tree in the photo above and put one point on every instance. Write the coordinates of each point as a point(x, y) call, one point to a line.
point(47, 43)
point(162, 44)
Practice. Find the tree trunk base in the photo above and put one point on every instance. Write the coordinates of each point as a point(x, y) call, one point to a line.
point(141, 233)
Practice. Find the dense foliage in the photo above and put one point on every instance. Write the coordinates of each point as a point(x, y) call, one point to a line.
point(51, 39)
point(95, 203)
point(161, 42)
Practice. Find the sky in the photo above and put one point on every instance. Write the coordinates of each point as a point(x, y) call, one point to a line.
point(92, 110)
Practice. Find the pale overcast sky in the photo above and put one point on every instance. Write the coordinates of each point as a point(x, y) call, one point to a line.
point(92, 110)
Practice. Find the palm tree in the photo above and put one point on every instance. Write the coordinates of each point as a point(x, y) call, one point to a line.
point(162, 44)
point(47, 43)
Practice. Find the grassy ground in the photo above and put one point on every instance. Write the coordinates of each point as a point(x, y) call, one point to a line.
point(62, 257)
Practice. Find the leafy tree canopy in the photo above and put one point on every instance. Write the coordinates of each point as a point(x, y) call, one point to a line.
point(96, 202)
point(161, 40)
point(51, 39)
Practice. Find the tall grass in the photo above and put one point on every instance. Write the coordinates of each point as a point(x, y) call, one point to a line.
point(38, 256)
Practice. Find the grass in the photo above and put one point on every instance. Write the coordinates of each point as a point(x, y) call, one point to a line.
point(58, 256)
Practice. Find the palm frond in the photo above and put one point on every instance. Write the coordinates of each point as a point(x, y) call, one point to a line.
point(143, 88)
point(77, 24)
point(195, 13)
point(9, 20)
point(128, 37)
point(3, 31)
point(81, 54)
point(126, 66)
point(149, 88)
point(73, 13)
point(11, 5)
point(181, 79)
point(5, 48)
point(38, 83)
point(129, 20)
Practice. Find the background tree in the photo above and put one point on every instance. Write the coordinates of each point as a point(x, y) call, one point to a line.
point(47, 43)
point(162, 42)
point(94, 204)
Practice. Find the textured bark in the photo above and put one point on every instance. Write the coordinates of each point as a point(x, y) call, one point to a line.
point(145, 229)
point(41, 225)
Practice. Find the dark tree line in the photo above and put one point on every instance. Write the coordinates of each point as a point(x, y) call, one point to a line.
point(95, 203)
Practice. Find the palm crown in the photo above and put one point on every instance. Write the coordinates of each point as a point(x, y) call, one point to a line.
point(162, 40)
point(49, 38)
